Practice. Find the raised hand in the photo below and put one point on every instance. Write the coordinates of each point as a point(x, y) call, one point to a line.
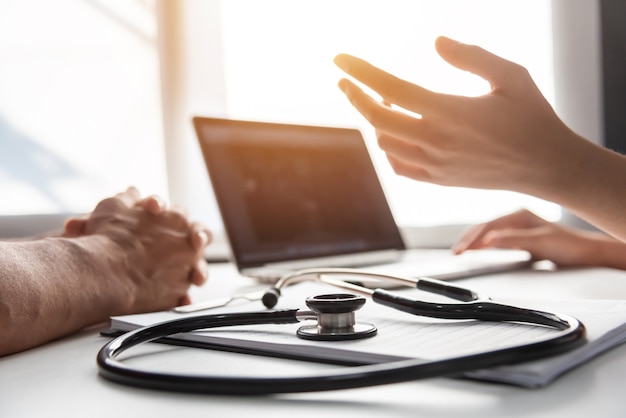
point(509, 138)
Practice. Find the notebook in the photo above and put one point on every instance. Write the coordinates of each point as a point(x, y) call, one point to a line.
point(296, 196)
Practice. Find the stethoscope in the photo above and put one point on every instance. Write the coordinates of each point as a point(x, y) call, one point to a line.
point(335, 316)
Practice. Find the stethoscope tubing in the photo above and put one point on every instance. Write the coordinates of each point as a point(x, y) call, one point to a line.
point(352, 377)
point(477, 310)
point(325, 275)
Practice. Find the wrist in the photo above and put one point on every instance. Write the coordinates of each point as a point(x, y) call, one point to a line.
point(106, 267)
point(611, 253)
point(562, 169)
point(595, 190)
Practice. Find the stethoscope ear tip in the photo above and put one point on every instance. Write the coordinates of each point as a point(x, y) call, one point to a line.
point(270, 298)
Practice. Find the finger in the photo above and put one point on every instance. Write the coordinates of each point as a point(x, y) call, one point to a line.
point(407, 159)
point(382, 117)
point(531, 240)
point(199, 273)
point(176, 220)
point(200, 236)
point(409, 169)
point(185, 300)
point(129, 197)
point(75, 227)
point(132, 192)
point(472, 239)
point(165, 287)
point(174, 223)
point(152, 204)
point(391, 88)
point(520, 219)
point(402, 149)
point(499, 72)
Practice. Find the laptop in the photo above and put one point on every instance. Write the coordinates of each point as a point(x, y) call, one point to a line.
point(294, 196)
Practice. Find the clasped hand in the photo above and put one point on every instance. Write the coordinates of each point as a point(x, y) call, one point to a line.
point(163, 251)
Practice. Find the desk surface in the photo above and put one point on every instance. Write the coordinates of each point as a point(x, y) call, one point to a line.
point(61, 378)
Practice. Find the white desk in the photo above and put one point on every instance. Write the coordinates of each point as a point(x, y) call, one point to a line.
point(61, 378)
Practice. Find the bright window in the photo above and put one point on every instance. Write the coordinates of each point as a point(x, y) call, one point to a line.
point(80, 108)
point(82, 113)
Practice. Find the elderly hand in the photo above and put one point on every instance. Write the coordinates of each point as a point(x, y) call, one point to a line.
point(163, 251)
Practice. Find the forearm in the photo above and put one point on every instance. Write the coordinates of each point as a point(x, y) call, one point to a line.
point(601, 197)
point(609, 252)
point(52, 287)
point(586, 179)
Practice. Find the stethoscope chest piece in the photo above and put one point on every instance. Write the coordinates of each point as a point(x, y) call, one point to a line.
point(336, 319)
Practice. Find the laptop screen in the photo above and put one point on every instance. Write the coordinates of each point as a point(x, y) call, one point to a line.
point(291, 192)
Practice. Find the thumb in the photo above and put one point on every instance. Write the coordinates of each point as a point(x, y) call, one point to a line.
point(75, 227)
point(472, 58)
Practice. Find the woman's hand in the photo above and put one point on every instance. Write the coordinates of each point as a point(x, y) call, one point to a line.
point(508, 139)
point(545, 240)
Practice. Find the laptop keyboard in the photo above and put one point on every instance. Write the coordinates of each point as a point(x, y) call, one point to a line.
point(437, 264)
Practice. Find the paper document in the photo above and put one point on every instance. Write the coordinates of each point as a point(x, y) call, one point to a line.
point(403, 336)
